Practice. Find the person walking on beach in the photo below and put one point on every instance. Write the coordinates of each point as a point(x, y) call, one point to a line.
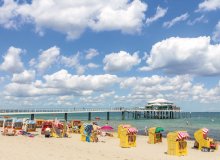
point(145, 130)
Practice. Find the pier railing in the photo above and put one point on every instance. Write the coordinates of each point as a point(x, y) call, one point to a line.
point(77, 110)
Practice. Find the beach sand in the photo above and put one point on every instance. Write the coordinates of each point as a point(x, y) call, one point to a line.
point(40, 148)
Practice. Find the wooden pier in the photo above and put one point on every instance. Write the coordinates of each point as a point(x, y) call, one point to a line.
point(135, 113)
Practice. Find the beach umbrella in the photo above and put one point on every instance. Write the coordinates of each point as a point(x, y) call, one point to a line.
point(107, 128)
point(159, 129)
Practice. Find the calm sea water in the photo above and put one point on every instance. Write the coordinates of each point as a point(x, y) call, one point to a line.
point(210, 120)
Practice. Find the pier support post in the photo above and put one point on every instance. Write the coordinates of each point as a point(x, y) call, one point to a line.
point(89, 116)
point(123, 115)
point(135, 115)
point(32, 116)
point(108, 115)
point(65, 116)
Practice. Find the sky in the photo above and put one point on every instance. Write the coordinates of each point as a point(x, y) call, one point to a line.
point(115, 53)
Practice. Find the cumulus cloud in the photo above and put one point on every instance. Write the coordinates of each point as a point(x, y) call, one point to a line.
point(12, 61)
point(8, 11)
point(209, 5)
point(91, 53)
point(62, 83)
point(185, 56)
point(24, 77)
point(74, 16)
point(121, 61)
point(176, 88)
point(47, 58)
point(73, 62)
point(216, 33)
point(93, 65)
point(178, 19)
point(161, 12)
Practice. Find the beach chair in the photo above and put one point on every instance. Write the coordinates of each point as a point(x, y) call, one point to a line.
point(155, 135)
point(39, 123)
point(203, 142)
point(1, 122)
point(121, 127)
point(30, 126)
point(46, 124)
point(128, 137)
point(59, 129)
point(177, 144)
point(8, 128)
point(18, 124)
point(86, 131)
point(76, 124)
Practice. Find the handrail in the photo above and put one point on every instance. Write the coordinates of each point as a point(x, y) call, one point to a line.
point(72, 110)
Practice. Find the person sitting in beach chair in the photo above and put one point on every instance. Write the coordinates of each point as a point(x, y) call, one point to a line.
point(47, 132)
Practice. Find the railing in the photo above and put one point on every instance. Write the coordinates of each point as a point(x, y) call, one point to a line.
point(72, 110)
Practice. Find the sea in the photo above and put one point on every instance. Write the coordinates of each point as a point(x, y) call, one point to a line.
point(197, 120)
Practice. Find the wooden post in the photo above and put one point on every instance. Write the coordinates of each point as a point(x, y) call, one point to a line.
point(65, 116)
point(107, 116)
point(123, 115)
point(135, 115)
point(89, 116)
point(32, 116)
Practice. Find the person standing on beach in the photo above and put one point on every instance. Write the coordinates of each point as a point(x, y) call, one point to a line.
point(145, 130)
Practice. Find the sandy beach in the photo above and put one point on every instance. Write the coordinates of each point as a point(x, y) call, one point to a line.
point(26, 148)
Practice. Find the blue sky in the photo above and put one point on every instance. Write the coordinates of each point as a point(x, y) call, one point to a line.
point(109, 53)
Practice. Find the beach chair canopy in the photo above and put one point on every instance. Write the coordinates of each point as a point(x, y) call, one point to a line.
point(31, 122)
point(182, 135)
point(132, 130)
point(205, 131)
point(126, 126)
point(159, 129)
point(19, 120)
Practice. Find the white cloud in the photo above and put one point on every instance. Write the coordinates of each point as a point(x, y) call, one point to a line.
point(216, 33)
point(121, 61)
point(24, 77)
point(93, 65)
point(142, 89)
point(8, 11)
point(2, 79)
point(197, 20)
point(47, 58)
point(73, 62)
point(62, 83)
point(177, 88)
point(185, 56)
point(180, 18)
point(209, 5)
point(91, 53)
point(159, 14)
point(12, 61)
point(76, 16)
point(32, 62)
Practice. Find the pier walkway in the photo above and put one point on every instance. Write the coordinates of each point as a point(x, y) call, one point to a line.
point(136, 112)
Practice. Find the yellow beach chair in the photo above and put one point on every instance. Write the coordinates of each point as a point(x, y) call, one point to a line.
point(177, 144)
point(121, 127)
point(203, 142)
point(155, 135)
point(128, 137)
